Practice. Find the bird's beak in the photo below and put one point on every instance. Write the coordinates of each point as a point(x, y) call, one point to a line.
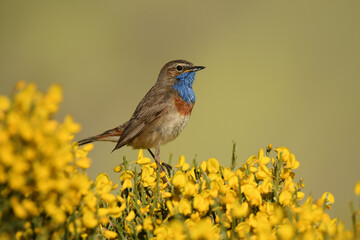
point(196, 68)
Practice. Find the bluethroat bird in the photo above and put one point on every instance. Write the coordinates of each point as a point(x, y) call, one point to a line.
point(161, 115)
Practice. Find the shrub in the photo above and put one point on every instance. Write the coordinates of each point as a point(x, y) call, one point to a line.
point(46, 194)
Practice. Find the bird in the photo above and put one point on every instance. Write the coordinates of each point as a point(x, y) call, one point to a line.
point(161, 115)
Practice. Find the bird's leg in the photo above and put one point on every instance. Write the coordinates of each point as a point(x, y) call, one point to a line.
point(168, 166)
point(157, 160)
point(151, 153)
point(157, 157)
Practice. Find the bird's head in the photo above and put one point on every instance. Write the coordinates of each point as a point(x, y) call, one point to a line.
point(178, 72)
point(180, 75)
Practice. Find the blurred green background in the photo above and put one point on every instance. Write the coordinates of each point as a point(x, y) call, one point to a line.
point(280, 72)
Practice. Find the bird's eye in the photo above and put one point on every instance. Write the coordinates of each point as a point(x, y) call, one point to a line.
point(179, 68)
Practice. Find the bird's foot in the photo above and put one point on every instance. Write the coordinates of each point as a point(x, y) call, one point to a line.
point(168, 168)
point(161, 170)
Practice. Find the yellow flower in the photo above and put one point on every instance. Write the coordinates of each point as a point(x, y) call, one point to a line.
point(185, 207)
point(120, 199)
point(251, 160)
point(148, 224)
point(118, 168)
point(141, 159)
point(102, 183)
point(252, 194)
point(88, 147)
point(89, 219)
point(114, 186)
point(182, 164)
point(83, 163)
point(285, 173)
point(130, 216)
point(53, 98)
point(103, 212)
point(166, 194)
point(212, 165)
point(148, 181)
point(170, 207)
point(30, 207)
point(284, 152)
point(16, 180)
point(191, 173)
point(126, 175)
point(292, 163)
point(243, 229)
point(181, 161)
point(7, 157)
point(248, 168)
point(357, 188)
point(201, 204)
point(250, 180)
point(326, 200)
point(161, 232)
point(3, 175)
point(70, 126)
point(179, 179)
point(109, 234)
point(263, 172)
point(101, 180)
point(227, 173)
point(185, 167)
point(285, 198)
point(289, 185)
point(204, 230)
point(266, 186)
point(300, 195)
point(262, 159)
point(108, 198)
point(4, 103)
point(147, 171)
point(18, 209)
point(203, 165)
point(176, 230)
point(240, 211)
point(230, 197)
point(29, 153)
point(263, 226)
point(145, 209)
point(286, 232)
point(195, 217)
point(234, 182)
point(153, 165)
point(277, 216)
point(115, 211)
point(127, 184)
point(122, 207)
point(190, 189)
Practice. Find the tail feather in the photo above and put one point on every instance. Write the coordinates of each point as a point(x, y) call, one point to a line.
point(86, 141)
point(112, 135)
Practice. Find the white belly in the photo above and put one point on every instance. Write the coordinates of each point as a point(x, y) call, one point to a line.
point(173, 126)
point(163, 130)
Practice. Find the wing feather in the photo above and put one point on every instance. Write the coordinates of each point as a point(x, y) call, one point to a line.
point(154, 104)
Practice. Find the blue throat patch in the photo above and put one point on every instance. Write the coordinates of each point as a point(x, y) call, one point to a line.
point(184, 86)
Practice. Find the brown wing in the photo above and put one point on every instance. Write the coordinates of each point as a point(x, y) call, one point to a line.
point(152, 106)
